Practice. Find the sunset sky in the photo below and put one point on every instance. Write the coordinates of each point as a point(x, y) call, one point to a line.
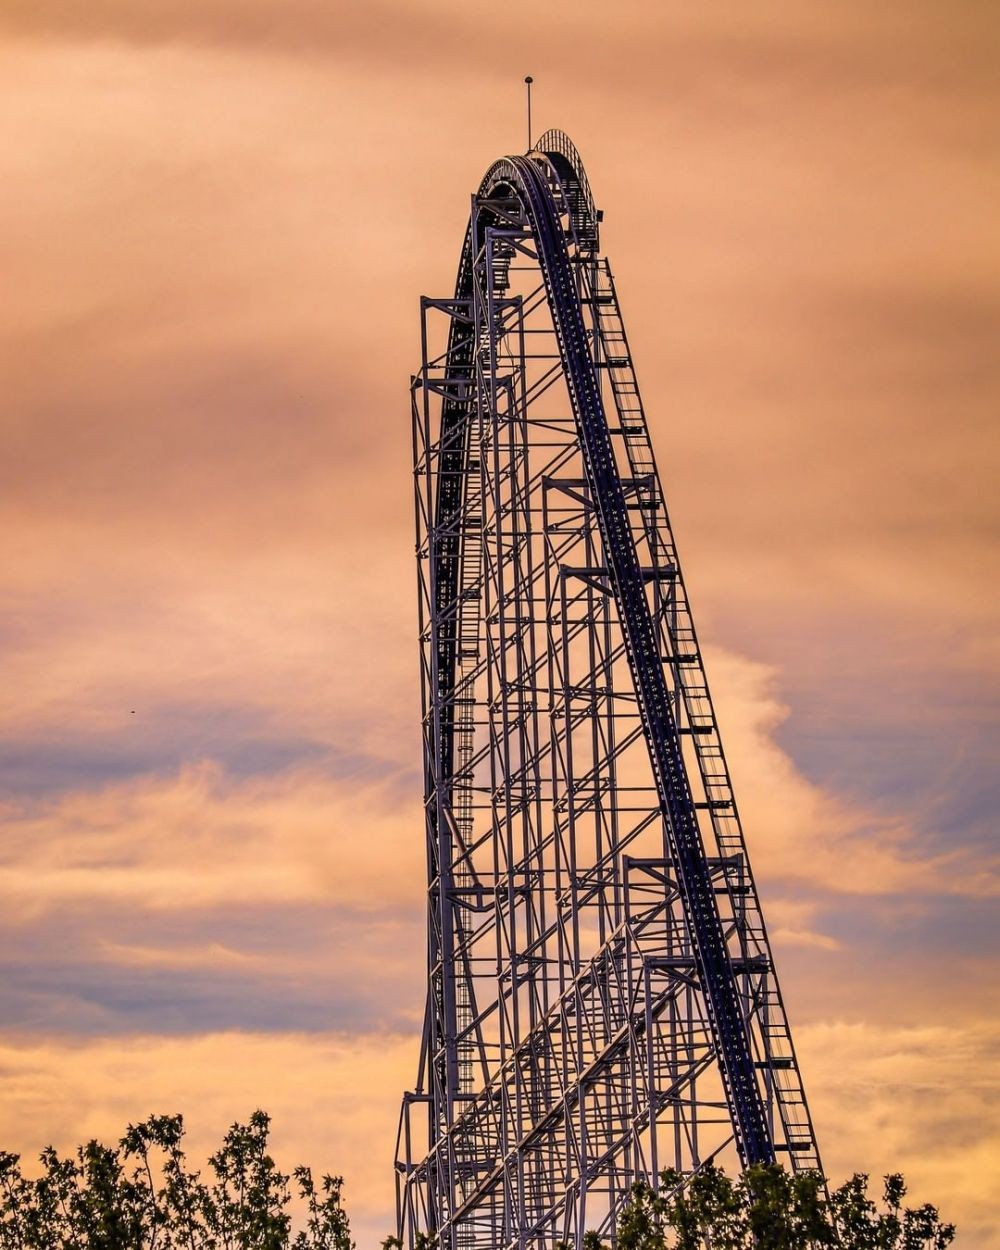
point(217, 217)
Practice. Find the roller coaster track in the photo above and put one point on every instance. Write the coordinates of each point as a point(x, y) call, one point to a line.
point(579, 995)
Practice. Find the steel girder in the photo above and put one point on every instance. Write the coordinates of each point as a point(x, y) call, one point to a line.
point(602, 1002)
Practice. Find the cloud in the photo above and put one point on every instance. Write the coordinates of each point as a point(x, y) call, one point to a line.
point(196, 899)
point(335, 1101)
point(884, 1099)
point(805, 937)
point(327, 832)
point(217, 222)
point(200, 902)
point(200, 838)
point(922, 1101)
point(345, 972)
point(799, 831)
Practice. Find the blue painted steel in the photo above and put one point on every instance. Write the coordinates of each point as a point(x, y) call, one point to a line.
point(473, 1177)
point(694, 878)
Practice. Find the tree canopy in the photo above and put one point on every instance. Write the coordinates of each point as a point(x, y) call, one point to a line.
point(143, 1195)
point(768, 1208)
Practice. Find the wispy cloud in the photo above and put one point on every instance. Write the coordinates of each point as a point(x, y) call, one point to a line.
point(201, 838)
point(217, 220)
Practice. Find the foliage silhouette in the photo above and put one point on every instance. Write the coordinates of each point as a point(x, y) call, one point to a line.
point(141, 1195)
point(768, 1208)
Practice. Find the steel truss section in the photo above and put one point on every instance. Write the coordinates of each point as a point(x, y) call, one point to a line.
point(602, 1002)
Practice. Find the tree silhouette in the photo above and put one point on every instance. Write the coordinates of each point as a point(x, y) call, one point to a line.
point(768, 1208)
point(142, 1195)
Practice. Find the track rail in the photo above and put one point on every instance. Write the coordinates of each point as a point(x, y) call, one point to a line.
point(553, 1085)
point(694, 877)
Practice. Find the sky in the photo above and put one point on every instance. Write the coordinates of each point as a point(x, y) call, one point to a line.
point(217, 219)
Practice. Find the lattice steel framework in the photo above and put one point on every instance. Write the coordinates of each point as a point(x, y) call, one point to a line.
point(602, 1002)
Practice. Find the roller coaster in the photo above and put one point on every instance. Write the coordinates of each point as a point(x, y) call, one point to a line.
point(602, 1003)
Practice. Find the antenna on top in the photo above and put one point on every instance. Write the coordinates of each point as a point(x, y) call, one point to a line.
point(529, 80)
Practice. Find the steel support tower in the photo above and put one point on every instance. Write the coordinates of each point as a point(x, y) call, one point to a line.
point(601, 1001)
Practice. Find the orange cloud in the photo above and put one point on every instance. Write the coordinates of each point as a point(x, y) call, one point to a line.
point(334, 1101)
point(216, 222)
point(800, 831)
point(927, 1098)
point(201, 839)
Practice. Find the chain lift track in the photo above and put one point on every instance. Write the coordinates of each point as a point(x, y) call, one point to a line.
point(602, 1002)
